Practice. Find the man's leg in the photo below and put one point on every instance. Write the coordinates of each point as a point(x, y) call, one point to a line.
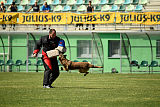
point(46, 77)
point(37, 27)
point(55, 71)
point(93, 25)
point(10, 25)
point(47, 72)
point(49, 27)
point(44, 28)
point(87, 26)
point(4, 26)
point(14, 26)
point(76, 26)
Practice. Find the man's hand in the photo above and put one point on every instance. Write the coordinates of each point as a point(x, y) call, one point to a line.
point(34, 55)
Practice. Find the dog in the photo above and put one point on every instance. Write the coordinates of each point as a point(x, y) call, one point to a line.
point(70, 65)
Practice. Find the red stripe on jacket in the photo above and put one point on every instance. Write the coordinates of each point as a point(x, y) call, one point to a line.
point(47, 60)
point(36, 51)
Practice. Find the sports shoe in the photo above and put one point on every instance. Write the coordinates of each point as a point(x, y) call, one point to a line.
point(47, 86)
point(51, 86)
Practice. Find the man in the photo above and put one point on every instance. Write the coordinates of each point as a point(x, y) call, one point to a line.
point(90, 9)
point(3, 9)
point(46, 8)
point(49, 42)
point(35, 8)
point(13, 8)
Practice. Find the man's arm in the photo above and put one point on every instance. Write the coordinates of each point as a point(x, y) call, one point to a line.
point(38, 9)
point(16, 8)
point(61, 43)
point(4, 9)
point(30, 8)
point(48, 9)
point(43, 8)
point(60, 49)
point(92, 9)
point(9, 8)
point(37, 48)
point(61, 46)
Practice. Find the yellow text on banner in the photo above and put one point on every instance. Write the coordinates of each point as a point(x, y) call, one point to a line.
point(91, 18)
point(8, 18)
point(147, 18)
point(42, 18)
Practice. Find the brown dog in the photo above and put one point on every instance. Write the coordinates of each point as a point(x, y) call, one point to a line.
point(82, 66)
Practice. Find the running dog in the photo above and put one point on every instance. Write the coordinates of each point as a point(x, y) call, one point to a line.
point(82, 66)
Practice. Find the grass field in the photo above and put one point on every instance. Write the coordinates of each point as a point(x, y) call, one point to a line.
point(75, 90)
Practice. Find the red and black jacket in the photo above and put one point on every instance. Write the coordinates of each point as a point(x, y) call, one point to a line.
point(47, 44)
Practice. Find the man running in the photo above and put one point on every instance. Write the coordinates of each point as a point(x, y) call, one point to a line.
point(49, 42)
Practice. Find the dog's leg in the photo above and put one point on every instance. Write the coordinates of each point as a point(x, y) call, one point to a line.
point(81, 70)
point(62, 68)
point(86, 73)
point(67, 68)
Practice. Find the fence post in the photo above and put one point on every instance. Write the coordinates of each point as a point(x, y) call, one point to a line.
point(27, 52)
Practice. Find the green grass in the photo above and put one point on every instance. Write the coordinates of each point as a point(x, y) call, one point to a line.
point(75, 90)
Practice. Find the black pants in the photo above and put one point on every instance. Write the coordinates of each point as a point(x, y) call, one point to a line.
point(13, 25)
point(79, 25)
point(4, 26)
point(93, 25)
point(51, 70)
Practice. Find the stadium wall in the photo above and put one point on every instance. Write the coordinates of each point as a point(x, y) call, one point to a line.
point(16, 48)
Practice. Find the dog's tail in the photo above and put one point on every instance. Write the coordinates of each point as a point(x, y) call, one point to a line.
point(94, 66)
